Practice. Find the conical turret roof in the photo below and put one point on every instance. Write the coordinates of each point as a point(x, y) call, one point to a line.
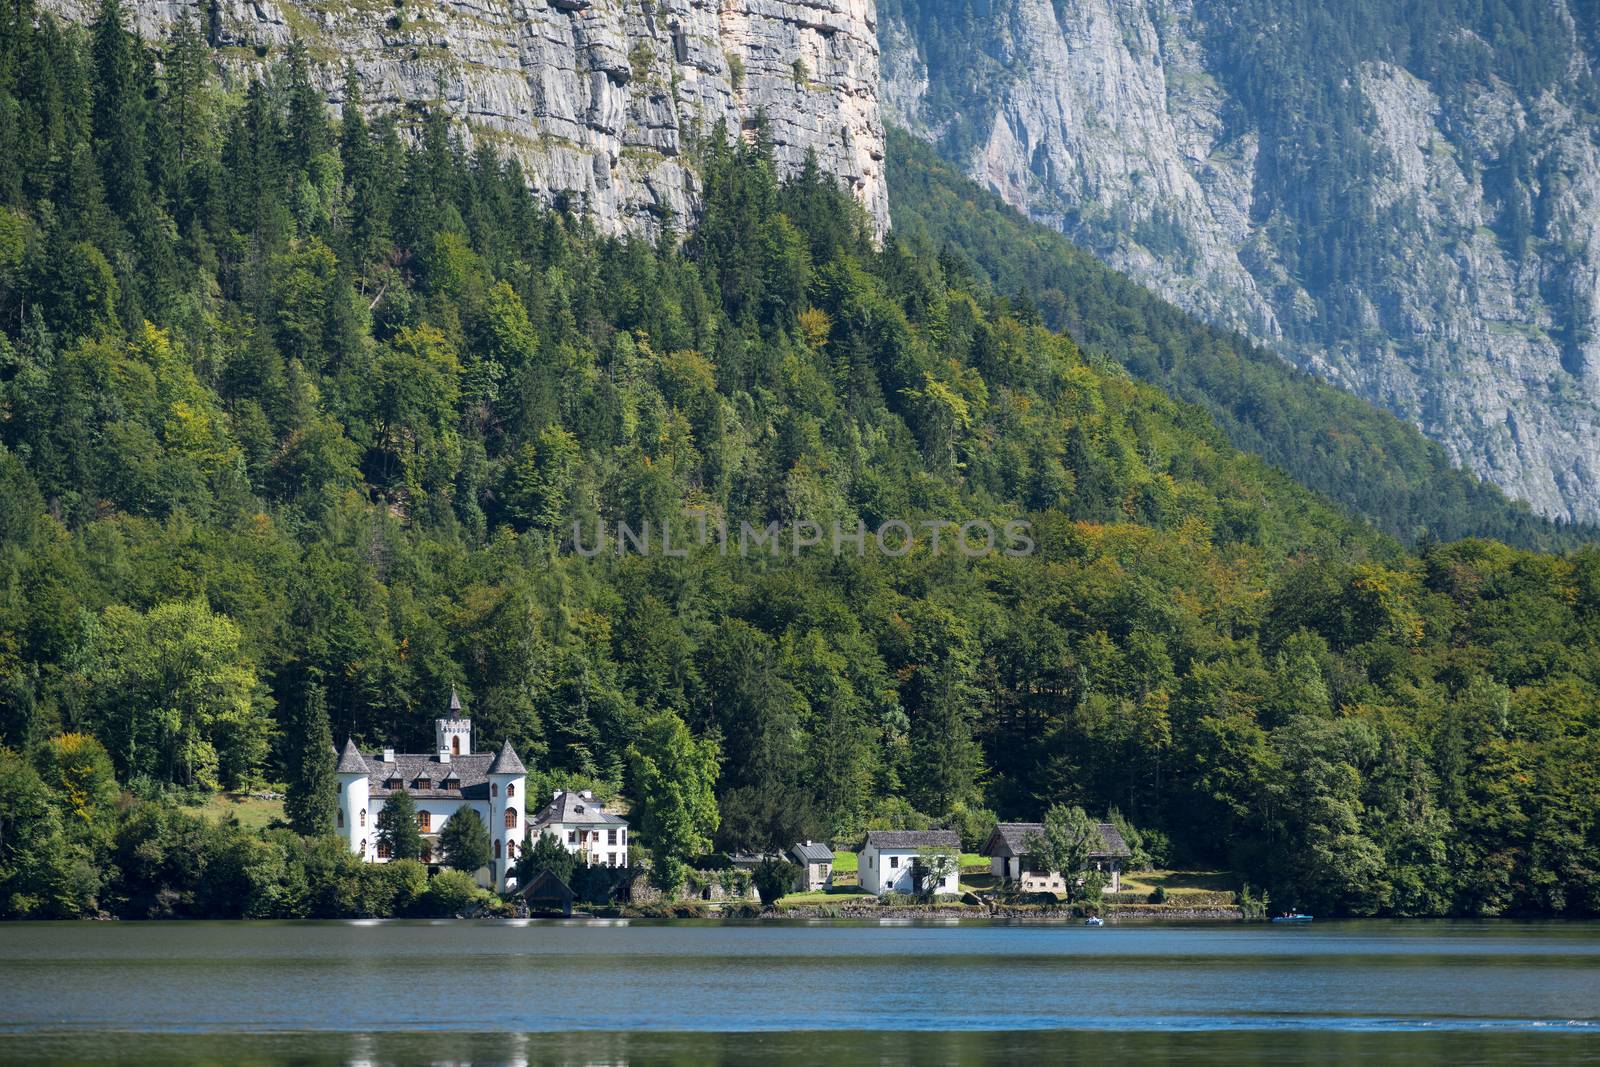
point(507, 762)
point(350, 761)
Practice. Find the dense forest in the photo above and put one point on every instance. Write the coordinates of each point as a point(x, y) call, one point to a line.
point(297, 415)
point(1370, 460)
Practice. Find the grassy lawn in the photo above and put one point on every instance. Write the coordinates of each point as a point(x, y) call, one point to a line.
point(1179, 883)
point(836, 895)
point(252, 814)
point(844, 861)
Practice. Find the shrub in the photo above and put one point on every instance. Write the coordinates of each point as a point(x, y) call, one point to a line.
point(451, 893)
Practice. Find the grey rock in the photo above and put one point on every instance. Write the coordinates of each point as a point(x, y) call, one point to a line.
point(599, 100)
point(1106, 119)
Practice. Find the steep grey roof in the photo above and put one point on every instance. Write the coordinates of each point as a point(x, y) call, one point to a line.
point(570, 807)
point(507, 762)
point(1010, 839)
point(472, 772)
point(812, 852)
point(455, 701)
point(350, 762)
point(913, 839)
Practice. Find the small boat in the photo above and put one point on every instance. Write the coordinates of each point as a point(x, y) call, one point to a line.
point(1292, 917)
point(1094, 920)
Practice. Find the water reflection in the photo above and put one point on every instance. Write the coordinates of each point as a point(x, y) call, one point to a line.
point(833, 1048)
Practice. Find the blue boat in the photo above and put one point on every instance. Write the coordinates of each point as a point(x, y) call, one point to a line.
point(1292, 917)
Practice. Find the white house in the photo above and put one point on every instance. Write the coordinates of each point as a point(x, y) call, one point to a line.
point(441, 783)
point(888, 860)
point(1007, 849)
point(582, 823)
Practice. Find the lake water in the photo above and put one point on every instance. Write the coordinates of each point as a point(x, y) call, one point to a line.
point(639, 992)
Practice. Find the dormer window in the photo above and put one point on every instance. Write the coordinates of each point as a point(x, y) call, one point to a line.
point(391, 783)
point(578, 809)
point(424, 783)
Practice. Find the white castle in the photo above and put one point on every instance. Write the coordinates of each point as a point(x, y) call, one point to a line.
point(495, 786)
point(442, 782)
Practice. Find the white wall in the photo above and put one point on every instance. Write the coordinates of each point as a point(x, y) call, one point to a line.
point(889, 871)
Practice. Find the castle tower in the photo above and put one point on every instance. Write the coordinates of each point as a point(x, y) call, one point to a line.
point(356, 825)
point(454, 732)
point(508, 822)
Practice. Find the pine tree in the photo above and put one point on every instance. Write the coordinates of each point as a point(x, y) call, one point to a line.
point(397, 827)
point(465, 841)
point(312, 798)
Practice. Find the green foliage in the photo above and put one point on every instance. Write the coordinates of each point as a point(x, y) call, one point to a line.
point(397, 827)
point(1327, 439)
point(348, 394)
point(465, 841)
point(773, 878)
point(311, 800)
point(672, 776)
point(1069, 838)
point(548, 853)
point(451, 893)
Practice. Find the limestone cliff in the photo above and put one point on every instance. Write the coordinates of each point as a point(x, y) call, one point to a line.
point(1450, 273)
point(600, 100)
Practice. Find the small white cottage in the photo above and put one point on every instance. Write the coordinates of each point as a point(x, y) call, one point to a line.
point(893, 861)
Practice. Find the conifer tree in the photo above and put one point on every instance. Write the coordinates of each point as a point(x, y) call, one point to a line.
point(311, 797)
point(397, 827)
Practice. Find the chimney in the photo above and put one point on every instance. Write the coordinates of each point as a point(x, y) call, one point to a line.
point(587, 794)
point(388, 753)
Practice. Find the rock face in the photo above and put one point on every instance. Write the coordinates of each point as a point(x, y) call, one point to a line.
point(1113, 121)
point(600, 100)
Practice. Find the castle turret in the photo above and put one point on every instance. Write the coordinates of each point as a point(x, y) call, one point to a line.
point(453, 732)
point(508, 790)
point(354, 824)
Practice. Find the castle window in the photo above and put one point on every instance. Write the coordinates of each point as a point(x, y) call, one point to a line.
point(363, 848)
point(497, 848)
point(341, 818)
point(511, 850)
point(424, 821)
point(511, 790)
point(455, 746)
point(494, 789)
point(383, 849)
point(511, 818)
point(363, 816)
point(427, 854)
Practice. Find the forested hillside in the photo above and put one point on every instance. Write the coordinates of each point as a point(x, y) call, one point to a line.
point(1397, 197)
point(1324, 437)
point(297, 416)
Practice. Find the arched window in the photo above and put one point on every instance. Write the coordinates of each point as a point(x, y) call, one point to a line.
point(363, 848)
point(497, 848)
point(455, 746)
point(511, 790)
point(494, 789)
point(427, 854)
point(511, 850)
point(383, 849)
point(424, 822)
point(363, 816)
point(511, 818)
point(341, 818)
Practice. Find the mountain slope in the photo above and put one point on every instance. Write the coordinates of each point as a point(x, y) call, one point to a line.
point(303, 425)
point(1402, 198)
point(1327, 439)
